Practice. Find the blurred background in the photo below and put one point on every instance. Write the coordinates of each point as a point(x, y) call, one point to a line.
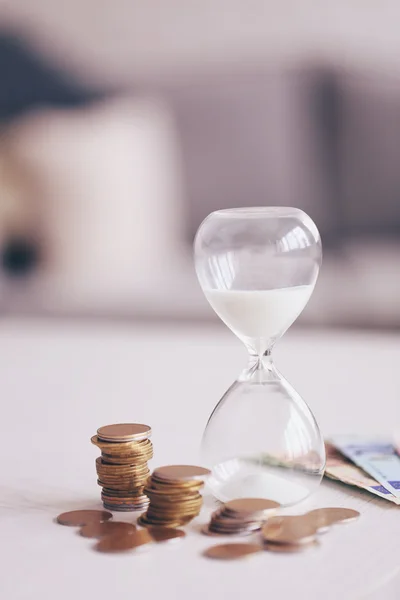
point(124, 124)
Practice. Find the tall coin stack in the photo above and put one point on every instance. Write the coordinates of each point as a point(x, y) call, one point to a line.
point(122, 467)
point(174, 494)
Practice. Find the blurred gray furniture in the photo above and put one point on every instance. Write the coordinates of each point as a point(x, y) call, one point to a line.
point(312, 137)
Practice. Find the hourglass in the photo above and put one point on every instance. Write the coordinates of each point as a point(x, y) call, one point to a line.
point(257, 268)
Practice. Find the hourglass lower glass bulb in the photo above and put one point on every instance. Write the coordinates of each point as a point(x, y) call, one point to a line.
point(258, 268)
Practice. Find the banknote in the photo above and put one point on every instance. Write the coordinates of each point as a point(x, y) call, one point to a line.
point(377, 458)
point(340, 468)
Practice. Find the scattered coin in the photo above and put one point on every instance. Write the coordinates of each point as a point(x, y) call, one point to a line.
point(98, 530)
point(124, 432)
point(78, 518)
point(289, 530)
point(123, 542)
point(231, 551)
point(332, 516)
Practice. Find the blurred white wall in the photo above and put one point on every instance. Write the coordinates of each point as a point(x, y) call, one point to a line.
point(116, 42)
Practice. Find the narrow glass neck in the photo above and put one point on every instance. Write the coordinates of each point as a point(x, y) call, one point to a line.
point(259, 369)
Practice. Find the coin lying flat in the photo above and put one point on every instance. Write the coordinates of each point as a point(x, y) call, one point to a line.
point(331, 516)
point(250, 505)
point(98, 530)
point(289, 530)
point(231, 551)
point(181, 472)
point(123, 542)
point(165, 534)
point(78, 518)
point(124, 432)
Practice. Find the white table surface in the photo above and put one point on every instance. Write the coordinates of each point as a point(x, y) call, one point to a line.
point(60, 381)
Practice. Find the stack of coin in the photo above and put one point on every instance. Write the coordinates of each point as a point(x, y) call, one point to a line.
point(240, 517)
point(122, 467)
point(174, 495)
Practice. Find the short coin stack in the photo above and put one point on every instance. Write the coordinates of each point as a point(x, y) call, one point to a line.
point(122, 467)
point(174, 494)
point(243, 516)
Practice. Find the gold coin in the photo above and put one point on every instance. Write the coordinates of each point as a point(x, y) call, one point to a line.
point(116, 470)
point(121, 486)
point(165, 534)
point(135, 493)
point(122, 476)
point(250, 505)
point(166, 501)
point(181, 503)
point(139, 447)
point(231, 551)
point(78, 518)
point(127, 459)
point(176, 487)
point(146, 522)
point(324, 517)
point(121, 470)
point(175, 509)
point(177, 516)
point(124, 432)
point(124, 541)
point(289, 530)
point(181, 473)
point(98, 530)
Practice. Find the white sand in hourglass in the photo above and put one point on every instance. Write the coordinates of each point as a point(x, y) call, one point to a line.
point(259, 314)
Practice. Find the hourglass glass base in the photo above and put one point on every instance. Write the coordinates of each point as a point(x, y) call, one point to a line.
point(262, 440)
point(246, 477)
